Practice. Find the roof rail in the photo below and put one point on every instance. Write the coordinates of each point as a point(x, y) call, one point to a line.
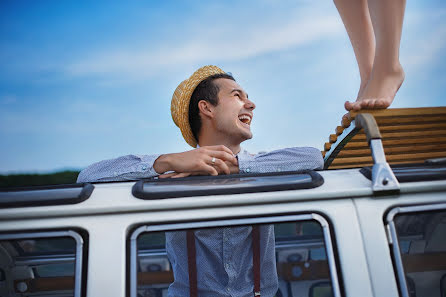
point(383, 178)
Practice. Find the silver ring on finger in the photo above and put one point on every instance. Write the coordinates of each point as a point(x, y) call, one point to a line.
point(213, 160)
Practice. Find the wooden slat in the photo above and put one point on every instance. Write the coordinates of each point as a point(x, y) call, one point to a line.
point(327, 146)
point(370, 163)
point(339, 130)
point(410, 120)
point(390, 158)
point(413, 127)
point(400, 135)
point(394, 150)
point(398, 142)
point(345, 122)
point(333, 138)
point(388, 143)
point(394, 112)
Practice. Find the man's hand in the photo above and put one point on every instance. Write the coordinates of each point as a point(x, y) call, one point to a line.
point(198, 162)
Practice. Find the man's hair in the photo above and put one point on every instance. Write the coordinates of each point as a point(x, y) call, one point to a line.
point(206, 90)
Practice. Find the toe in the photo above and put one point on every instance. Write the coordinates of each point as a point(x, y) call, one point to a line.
point(358, 105)
point(371, 104)
point(348, 105)
point(367, 104)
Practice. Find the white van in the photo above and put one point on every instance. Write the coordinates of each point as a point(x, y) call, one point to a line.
point(358, 232)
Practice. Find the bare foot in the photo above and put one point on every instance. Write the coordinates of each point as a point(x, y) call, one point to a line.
point(346, 118)
point(379, 91)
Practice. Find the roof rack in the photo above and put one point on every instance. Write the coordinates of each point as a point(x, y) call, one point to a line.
point(409, 135)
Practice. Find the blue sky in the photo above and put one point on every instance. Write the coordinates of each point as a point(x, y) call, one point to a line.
point(84, 82)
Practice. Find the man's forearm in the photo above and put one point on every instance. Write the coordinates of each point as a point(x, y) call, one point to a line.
point(287, 159)
point(128, 167)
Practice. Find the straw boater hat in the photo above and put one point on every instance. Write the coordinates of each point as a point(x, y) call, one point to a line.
point(181, 97)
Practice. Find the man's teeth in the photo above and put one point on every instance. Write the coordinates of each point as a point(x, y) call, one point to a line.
point(245, 119)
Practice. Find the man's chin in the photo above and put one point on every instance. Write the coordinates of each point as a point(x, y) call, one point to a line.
point(248, 135)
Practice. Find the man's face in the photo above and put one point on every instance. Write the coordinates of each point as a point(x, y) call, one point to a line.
point(234, 112)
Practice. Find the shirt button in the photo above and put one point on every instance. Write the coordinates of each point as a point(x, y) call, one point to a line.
point(144, 167)
point(115, 173)
point(247, 170)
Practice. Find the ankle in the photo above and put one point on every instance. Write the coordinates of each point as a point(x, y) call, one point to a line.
point(389, 70)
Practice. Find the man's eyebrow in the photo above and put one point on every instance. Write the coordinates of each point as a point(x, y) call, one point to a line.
point(240, 91)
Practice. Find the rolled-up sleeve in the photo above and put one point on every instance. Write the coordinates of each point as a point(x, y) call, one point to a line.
point(288, 159)
point(124, 168)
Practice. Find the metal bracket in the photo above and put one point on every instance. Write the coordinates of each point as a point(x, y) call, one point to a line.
point(383, 179)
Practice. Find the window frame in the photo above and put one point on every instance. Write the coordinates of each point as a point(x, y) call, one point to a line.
point(396, 251)
point(54, 234)
point(236, 222)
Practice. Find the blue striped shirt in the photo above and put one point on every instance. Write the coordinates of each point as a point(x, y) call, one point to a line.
point(223, 255)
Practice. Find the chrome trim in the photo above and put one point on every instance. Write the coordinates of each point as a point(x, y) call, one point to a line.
point(78, 270)
point(233, 222)
point(145, 253)
point(50, 234)
point(398, 260)
point(395, 246)
point(133, 260)
point(330, 254)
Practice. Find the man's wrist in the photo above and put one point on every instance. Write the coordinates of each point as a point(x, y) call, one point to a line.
point(162, 164)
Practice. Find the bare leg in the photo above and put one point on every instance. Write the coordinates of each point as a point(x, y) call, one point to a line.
point(387, 74)
point(356, 17)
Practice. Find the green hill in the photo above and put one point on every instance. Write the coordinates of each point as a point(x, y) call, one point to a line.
point(25, 180)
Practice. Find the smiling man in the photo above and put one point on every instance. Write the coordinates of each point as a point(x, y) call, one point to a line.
point(214, 115)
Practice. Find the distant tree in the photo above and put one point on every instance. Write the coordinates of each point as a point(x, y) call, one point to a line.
point(24, 180)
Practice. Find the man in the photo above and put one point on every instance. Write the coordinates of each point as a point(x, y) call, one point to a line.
point(214, 113)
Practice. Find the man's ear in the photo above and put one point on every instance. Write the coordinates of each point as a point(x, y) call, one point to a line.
point(206, 108)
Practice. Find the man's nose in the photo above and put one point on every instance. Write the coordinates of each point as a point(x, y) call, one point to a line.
point(249, 104)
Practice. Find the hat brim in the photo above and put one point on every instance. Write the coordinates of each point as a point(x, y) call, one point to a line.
point(181, 100)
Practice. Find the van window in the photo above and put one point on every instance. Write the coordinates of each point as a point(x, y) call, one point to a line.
point(300, 254)
point(419, 247)
point(41, 264)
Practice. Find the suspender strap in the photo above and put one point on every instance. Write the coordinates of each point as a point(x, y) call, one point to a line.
point(192, 263)
point(256, 258)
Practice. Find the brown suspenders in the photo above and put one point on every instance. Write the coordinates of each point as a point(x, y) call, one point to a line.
point(192, 261)
point(256, 258)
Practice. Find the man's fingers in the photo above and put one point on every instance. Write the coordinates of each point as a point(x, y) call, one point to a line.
point(182, 174)
point(221, 148)
point(210, 170)
point(221, 166)
point(224, 156)
point(167, 175)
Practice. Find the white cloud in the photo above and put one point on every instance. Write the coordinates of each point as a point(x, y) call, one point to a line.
point(228, 45)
